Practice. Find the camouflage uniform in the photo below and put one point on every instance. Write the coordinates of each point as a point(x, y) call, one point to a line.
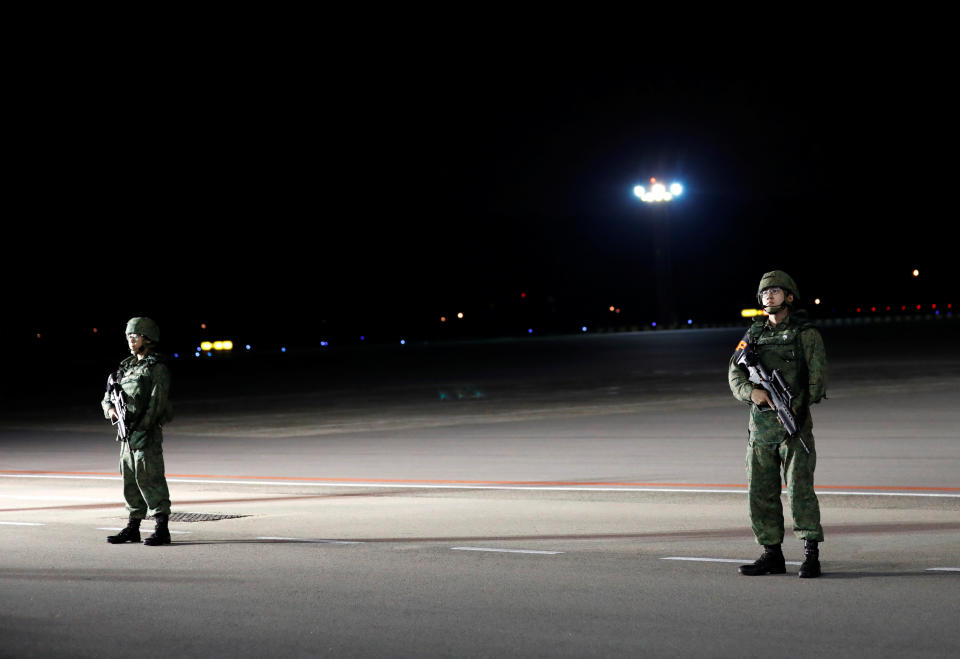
point(796, 348)
point(146, 387)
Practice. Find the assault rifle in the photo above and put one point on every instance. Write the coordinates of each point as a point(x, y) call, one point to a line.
point(776, 387)
point(119, 404)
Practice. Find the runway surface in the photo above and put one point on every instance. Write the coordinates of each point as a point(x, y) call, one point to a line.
point(573, 496)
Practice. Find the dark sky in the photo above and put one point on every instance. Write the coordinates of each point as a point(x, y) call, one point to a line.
point(338, 195)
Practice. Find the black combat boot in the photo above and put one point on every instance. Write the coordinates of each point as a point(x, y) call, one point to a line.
point(810, 568)
point(129, 534)
point(770, 562)
point(161, 536)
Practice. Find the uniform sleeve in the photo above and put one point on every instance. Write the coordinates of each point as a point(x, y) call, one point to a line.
point(106, 404)
point(159, 394)
point(739, 381)
point(815, 355)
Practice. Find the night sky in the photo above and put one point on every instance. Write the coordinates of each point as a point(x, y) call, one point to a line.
point(291, 201)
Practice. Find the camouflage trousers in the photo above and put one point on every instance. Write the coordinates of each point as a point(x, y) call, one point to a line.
point(144, 483)
point(764, 465)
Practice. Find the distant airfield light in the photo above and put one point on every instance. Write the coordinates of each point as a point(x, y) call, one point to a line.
point(218, 345)
point(816, 301)
point(324, 344)
point(196, 354)
point(689, 321)
point(176, 355)
point(613, 308)
point(460, 315)
point(203, 326)
point(363, 338)
point(916, 273)
point(530, 331)
point(283, 349)
point(583, 329)
point(403, 342)
point(247, 346)
point(658, 192)
point(228, 345)
point(206, 345)
point(94, 330)
point(443, 319)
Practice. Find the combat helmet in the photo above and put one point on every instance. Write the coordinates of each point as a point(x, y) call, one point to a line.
point(781, 279)
point(145, 327)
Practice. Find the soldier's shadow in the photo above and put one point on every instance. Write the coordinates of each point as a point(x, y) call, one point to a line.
point(263, 541)
point(877, 574)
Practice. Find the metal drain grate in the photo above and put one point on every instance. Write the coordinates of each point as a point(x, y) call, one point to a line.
point(200, 517)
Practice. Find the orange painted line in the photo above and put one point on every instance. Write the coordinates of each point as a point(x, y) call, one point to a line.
point(414, 481)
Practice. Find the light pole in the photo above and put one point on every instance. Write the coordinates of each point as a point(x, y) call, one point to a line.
point(659, 197)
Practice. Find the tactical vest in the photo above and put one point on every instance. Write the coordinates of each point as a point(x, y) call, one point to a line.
point(780, 348)
point(137, 383)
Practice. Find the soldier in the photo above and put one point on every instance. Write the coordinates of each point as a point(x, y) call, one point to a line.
point(145, 380)
point(785, 340)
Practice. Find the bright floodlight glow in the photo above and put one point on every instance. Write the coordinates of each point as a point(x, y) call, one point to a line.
point(658, 192)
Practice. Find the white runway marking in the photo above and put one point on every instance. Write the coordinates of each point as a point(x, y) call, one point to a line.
point(311, 540)
point(943, 569)
point(22, 524)
point(28, 497)
point(461, 486)
point(506, 551)
point(716, 560)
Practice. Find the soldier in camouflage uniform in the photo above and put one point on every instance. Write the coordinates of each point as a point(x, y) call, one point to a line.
point(785, 340)
point(145, 380)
